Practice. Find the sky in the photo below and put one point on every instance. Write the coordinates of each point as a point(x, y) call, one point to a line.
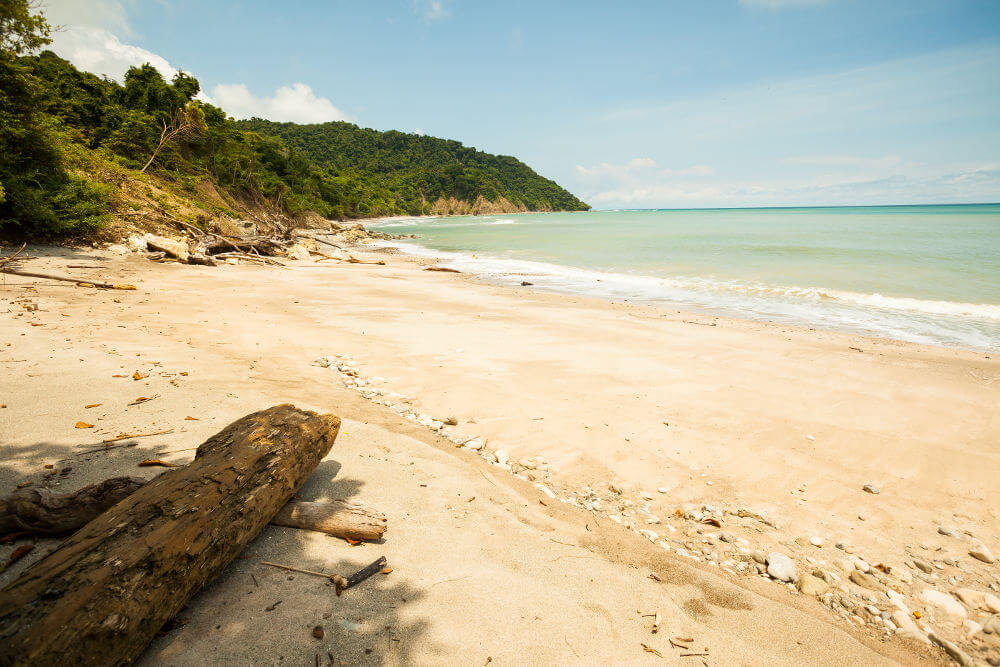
point(641, 104)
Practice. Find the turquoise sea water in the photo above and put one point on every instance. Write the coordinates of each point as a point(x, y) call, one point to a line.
point(928, 274)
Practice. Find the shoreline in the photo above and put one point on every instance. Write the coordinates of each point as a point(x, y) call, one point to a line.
point(425, 254)
point(586, 385)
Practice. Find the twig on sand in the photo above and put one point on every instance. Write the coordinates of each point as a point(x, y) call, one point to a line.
point(78, 281)
point(107, 444)
point(342, 583)
point(649, 649)
point(300, 570)
point(128, 436)
point(445, 581)
point(13, 257)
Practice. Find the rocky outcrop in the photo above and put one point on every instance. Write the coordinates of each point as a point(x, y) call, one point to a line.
point(481, 206)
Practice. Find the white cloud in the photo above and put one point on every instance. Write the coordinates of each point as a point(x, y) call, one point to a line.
point(86, 34)
point(921, 129)
point(296, 103)
point(99, 51)
point(780, 4)
point(431, 10)
point(860, 181)
point(639, 173)
point(107, 14)
point(887, 161)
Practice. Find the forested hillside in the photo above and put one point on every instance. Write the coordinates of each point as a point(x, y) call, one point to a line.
point(70, 142)
point(409, 172)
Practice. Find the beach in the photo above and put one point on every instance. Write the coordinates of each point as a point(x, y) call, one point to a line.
point(603, 443)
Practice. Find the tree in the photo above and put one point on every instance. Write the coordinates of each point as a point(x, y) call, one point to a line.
point(186, 124)
point(21, 31)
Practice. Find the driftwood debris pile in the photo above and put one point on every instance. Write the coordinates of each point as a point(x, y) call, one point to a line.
point(206, 248)
point(143, 549)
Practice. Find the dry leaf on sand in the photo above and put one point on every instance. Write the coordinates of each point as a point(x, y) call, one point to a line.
point(156, 462)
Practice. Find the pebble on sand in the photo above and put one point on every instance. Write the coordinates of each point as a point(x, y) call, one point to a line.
point(870, 488)
point(865, 580)
point(943, 602)
point(781, 567)
point(981, 552)
point(810, 585)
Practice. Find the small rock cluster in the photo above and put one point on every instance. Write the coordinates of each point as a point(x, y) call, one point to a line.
point(937, 595)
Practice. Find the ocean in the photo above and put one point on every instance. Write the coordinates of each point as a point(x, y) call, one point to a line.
point(927, 274)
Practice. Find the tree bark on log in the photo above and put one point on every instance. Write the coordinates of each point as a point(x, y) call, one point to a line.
point(105, 592)
point(44, 512)
point(339, 518)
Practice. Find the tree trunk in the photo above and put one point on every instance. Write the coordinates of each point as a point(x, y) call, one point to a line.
point(338, 518)
point(47, 513)
point(105, 592)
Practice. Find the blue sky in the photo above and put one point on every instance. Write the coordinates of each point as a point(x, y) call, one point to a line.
point(631, 104)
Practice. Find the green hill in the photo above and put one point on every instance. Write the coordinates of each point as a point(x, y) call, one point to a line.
point(413, 174)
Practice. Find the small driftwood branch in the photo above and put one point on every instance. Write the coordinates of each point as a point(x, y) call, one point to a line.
point(343, 583)
point(246, 256)
point(79, 281)
point(339, 518)
point(13, 257)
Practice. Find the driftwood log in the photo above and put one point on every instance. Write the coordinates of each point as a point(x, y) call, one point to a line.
point(105, 592)
point(49, 276)
point(43, 512)
point(339, 518)
point(40, 511)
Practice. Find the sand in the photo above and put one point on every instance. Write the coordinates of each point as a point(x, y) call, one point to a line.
point(788, 423)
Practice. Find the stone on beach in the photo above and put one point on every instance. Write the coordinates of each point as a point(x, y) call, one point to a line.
point(982, 552)
point(979, 599)
point(870, 488)
point(136, 243)
point(172, 247)
point(942, 602)
point(298, 252)
point(865, 580)
point(952, 650)
point(810, 585)
point(781, 567)
point(907, 627)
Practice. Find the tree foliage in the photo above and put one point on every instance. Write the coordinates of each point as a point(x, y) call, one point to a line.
point(39, 196)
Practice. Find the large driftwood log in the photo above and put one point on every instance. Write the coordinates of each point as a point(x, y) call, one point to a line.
point(102, 596)
point(339, 518)
point(44, 512)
